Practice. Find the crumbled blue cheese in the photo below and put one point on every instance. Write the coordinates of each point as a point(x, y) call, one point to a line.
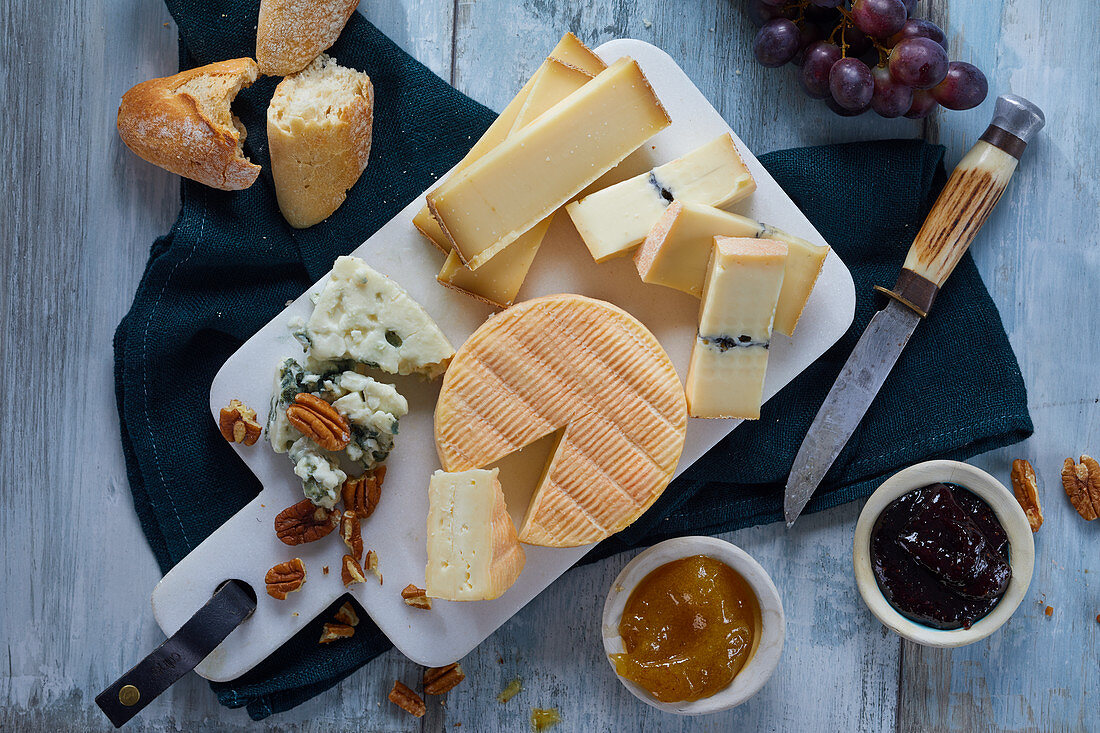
point(364, 317)
point(320, 473)
point(372, 409)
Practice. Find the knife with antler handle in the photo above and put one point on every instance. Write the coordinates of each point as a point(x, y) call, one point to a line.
point(963, 206)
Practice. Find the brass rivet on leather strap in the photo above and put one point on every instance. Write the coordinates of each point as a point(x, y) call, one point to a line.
point(129, 695)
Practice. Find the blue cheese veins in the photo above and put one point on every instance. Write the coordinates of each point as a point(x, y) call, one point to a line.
point(364, 317)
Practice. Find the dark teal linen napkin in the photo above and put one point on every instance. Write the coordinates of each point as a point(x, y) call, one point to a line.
point(230, 263)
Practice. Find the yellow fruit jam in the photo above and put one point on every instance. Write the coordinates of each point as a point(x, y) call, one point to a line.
point(688, 629)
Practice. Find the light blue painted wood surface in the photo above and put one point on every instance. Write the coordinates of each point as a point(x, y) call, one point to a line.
point(80, 213)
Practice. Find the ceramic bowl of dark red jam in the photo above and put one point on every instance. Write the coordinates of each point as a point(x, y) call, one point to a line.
point(693, 625)
point(943, 553)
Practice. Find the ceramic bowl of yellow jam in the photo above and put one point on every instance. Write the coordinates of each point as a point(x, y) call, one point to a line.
point(693, 625)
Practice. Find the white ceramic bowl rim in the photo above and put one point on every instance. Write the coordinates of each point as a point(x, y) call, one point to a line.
point(1008, 513)
point(769, 647)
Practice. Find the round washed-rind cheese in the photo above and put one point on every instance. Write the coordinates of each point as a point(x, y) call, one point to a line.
point(584, 369)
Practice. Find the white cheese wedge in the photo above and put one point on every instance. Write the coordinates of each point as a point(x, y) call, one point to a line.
point(521, 181)
point(615, 220)
point(365, 317)
point(589, 370)
point(569, 52)
point(678, 248)
point(730, 355)
point(498, 281)
point(473, 553)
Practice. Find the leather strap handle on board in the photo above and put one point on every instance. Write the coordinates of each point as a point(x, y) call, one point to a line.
point(230, 605)
point(965, 203)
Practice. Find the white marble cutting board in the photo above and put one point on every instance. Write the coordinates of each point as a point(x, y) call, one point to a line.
point(245, 547)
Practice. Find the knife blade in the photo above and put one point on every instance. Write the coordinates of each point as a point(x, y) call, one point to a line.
point(966, 201)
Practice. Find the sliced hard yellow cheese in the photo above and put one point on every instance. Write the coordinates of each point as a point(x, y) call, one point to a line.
point(570, 52)
point(730, 355)
point(498, 281)
point(521, 181)
point(615, 220)
point(556, 81)
point(473, 553)
point(678, 248)
point(583, 367)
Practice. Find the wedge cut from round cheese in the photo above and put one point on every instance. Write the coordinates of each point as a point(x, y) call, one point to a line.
point(589, 371)
point(473, 553)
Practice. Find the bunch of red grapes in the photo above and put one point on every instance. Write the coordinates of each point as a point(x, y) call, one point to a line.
point(859, 55)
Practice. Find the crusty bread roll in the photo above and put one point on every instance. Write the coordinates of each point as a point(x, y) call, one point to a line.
point(291, 33)
point(183, 123)
point(319, 132)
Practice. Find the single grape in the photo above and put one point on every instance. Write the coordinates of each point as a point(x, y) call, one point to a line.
point(920, 63)
point(851, 84)
point(919, 28)
point(857, 40)
point(879, 18)
point(776, 42)
point(808, 34)
point(832, 104)
point(760, 12)
point(923, 105)
point(965, 86)
point(816, 63)
point(890, 98)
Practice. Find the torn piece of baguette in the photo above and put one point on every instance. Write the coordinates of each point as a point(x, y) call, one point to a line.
point(291, 33)
point(183, 123)
point(319, 133)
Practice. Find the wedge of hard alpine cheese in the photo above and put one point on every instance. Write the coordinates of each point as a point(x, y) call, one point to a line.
point(730, 356)
point(521, 181)
point(678, 248)
point(615, 220)
point(569, 52)
point(473, 553)
point(587, 371)
point(365, 317)
point(498, 281)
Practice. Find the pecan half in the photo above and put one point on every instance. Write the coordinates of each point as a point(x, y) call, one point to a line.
point(370, 564)
point(332, 632)
point(438, 680)
point(1082, 484)
point(1026, 489)
point(407, 700)
point(237, 423)
point(350, 533)
point(347, 615)
point(286, 577)
point(320, 421)
point(416, 597)
point(304, 522)
point(351, 571)
point(361, 493)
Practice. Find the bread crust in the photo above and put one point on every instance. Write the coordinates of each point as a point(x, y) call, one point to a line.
point(291, 33)
point(315, 162)
point(183, 123)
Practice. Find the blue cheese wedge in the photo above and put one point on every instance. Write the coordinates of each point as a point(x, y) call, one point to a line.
point(371, 408)
point(615, 220)
point(730, 357)
point(364, 317)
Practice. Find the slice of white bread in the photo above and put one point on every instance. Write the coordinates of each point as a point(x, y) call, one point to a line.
point(291, 33)
point(183, 123)
point(319, 132)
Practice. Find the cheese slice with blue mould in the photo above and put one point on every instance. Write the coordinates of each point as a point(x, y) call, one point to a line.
point(676, 252)
point(615, 220)
point(520, 182)
point(473, 553)
point(730, 357)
